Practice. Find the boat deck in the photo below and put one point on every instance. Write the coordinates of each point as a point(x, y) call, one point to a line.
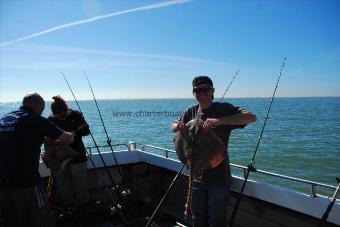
point(146, 177)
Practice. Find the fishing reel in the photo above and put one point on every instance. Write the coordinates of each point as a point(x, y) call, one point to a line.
point(98, 210)
point(124, 193)
point(121, 199)
point(62, 214)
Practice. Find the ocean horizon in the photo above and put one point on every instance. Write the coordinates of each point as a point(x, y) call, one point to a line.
point(301, 138)
point(152, 98)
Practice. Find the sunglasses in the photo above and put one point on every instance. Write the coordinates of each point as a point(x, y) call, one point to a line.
point(201, 89)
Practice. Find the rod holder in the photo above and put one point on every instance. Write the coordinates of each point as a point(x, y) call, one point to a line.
point(132, 146)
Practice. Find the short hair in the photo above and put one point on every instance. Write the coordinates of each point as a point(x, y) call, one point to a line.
point(32, 99)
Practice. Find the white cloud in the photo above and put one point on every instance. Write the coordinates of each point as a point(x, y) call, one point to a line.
point(96, 18)
point(60, 57)
point(68, 50)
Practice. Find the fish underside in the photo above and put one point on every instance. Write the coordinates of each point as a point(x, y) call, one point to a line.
point(56, 157)
point(200, 149)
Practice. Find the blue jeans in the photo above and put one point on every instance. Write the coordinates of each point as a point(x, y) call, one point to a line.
point(210, 203)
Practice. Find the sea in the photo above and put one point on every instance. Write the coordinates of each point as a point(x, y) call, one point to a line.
point(301, 138)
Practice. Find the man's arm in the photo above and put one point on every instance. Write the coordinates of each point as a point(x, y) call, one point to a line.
point(65, 138)
point(83, 128)
point(55, 134)
point(242, 118)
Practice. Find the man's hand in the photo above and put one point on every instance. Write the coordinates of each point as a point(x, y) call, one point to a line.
point(73, 134)
point(65, 138)
point(178, 126)
point(211, 123)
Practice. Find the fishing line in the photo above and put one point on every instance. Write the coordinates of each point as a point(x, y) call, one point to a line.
point(325, 215)
point(101, 118)
point(94, 141)
point(250, 167)
point(51, 181)
point(118, 207)
point(225, 92)
point(165, 195)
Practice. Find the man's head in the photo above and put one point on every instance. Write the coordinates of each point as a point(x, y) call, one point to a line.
point(203, 90)
point(202, 80)
point(34, 102)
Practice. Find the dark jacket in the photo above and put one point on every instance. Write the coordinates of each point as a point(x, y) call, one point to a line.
point(22, 133)
point(74, 121)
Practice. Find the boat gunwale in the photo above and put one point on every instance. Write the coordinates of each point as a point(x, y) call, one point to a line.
point(303, 203)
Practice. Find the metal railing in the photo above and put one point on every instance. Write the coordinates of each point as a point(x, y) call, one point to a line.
point(313, 184)
point(90, 148)
point(159, 148)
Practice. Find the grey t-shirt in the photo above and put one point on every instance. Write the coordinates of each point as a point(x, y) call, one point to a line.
point(220, 174)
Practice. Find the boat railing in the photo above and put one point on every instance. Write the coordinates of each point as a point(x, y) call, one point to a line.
point(312, 184)
point(159, 148)
point(91, 148)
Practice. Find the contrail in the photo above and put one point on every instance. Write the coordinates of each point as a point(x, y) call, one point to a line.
point(93, 19)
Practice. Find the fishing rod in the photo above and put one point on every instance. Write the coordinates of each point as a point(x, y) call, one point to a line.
point(178, 173)
point(251, 167)
point(189, 141)
point(325, 215)
point(113, 184)
point(225, 92)
point(54, 206)
point(165, 195)
point(118, 207)
point(107, 135)
point(95, 143)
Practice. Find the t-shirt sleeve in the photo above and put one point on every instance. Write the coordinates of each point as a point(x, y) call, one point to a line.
point(186, 116)
point(228, 110)
point(50, 130)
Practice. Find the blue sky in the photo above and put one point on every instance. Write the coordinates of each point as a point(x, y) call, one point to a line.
point(153, 49)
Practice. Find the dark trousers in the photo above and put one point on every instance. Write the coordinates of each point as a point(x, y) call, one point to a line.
point(24, 207)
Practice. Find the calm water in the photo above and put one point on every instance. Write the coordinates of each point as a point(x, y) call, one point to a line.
point(301, 138)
